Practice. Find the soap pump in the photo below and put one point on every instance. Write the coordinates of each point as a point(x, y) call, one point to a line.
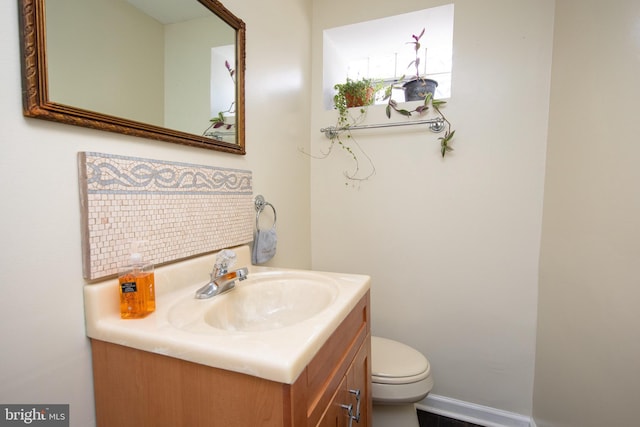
point(137, 285)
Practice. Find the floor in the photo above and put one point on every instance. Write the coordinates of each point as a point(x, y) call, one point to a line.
point(427, 419)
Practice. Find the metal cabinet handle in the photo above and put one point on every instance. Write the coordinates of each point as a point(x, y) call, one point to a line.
point(349, 409)
point(357, 394)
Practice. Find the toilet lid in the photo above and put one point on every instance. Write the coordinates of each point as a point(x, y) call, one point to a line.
point(396, 363)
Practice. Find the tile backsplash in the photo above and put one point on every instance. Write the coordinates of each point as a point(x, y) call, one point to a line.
point(179, 210)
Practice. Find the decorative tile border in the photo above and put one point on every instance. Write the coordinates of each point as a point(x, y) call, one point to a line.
point(180, 210)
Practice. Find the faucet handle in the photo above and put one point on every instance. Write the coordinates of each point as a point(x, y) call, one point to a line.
point(224, 260)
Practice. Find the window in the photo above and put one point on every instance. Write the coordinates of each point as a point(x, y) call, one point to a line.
point(379, 49)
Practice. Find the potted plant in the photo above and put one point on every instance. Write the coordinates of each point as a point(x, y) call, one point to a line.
point(421, 89)
point(220, 121)
point(351, 94)
point(418, 87)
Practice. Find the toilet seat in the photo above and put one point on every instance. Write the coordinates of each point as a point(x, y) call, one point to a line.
point(399, 373)
point(397, 363)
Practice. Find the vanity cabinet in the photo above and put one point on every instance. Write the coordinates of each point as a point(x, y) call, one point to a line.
point(142, 389)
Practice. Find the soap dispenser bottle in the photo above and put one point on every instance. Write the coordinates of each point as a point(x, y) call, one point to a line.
point(137, 286)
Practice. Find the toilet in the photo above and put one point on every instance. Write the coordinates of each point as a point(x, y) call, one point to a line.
point(399, 374)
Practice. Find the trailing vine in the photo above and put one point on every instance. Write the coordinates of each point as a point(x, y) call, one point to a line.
point(340, 136)
point(422, 109)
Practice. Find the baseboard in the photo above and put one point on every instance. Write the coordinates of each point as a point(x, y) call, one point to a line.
point(473, 413)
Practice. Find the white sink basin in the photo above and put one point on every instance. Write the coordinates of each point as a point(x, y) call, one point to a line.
point(271, 300)
point(264, 301)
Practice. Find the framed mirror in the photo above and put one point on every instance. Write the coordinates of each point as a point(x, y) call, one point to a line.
point(170, 70)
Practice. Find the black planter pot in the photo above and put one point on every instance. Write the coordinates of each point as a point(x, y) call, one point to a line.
point(417, 90)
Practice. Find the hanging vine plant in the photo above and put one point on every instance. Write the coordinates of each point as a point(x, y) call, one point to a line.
point(351, 101)
point(422, 109)
point(425, 90)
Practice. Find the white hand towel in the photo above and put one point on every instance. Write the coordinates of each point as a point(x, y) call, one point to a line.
point(264, 246)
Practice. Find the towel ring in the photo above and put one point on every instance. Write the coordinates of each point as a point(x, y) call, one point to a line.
point(260, 203)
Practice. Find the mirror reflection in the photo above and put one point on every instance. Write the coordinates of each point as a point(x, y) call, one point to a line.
point(168, 66)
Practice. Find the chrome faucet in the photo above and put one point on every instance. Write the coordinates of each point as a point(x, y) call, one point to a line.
point(222, 280)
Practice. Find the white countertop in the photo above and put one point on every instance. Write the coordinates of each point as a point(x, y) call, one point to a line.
point(277, 354)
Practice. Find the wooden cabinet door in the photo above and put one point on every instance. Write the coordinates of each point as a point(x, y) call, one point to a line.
point(354, 391)
point(336, 415)
point(359, 385)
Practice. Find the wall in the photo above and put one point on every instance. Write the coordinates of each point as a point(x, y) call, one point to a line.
point(45, 354)
point(587, 369)
point(452, 244)
point(141, 84)
point(187, 70)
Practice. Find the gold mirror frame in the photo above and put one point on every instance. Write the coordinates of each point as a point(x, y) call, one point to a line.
point(35, 94)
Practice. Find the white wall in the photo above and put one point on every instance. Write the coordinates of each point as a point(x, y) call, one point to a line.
point(187, 70)
point(452, 245)
point(132, 73)
point(588, 346)
point(45, 355)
